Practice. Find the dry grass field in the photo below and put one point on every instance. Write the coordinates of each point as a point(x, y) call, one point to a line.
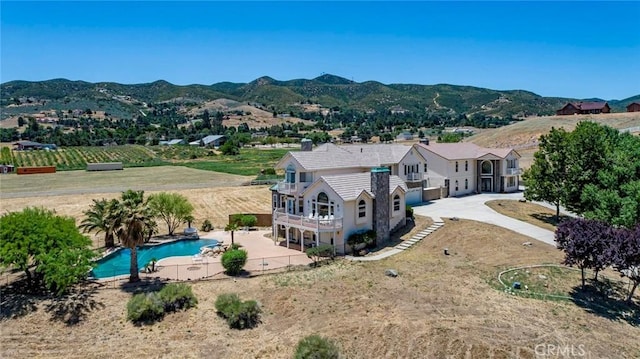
point(214, 195)
point(524, 135)
point(439, 307)
point(527, 212)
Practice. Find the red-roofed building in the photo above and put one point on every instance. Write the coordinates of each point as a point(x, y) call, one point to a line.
point(583, 108)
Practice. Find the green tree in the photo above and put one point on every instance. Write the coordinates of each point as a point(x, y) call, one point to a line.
point(50, 245)
point(99, 218)
point(172, 208)
point(133, 221)
point(546, 179)
point(590, 155)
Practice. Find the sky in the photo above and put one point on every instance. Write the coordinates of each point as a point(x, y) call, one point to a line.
point(565, 49)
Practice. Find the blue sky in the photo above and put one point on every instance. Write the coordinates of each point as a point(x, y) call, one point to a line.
point(570, 49)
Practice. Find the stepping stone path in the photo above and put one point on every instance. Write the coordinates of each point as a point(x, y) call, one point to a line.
point(437, 223)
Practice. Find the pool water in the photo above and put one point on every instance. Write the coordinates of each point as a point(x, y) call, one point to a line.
point(118, 262)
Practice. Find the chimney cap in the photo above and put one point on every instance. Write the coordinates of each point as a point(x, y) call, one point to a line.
point(380, 169)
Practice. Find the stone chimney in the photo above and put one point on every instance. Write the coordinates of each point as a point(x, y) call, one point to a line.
point(306, 144)
point(380, 189)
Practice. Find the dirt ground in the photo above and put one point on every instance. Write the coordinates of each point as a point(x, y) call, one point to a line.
point(438, 307)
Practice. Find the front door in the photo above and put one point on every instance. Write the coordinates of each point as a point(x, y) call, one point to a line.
point(486, 185)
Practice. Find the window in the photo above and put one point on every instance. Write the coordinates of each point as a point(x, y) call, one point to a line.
point(487, 168)
point(425, 167)
point(466, 183)
point(456, 185)
point(290, 176)
point(362, 209)
point(303, 177)
point(466, 166)
point(456, 166)
point(511, 181)
point(396, 203)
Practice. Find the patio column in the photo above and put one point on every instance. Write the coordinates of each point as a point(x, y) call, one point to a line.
point(286, 235)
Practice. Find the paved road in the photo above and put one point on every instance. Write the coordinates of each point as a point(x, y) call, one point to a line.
point(473, 207)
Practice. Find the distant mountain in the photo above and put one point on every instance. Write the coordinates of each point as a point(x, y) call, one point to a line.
point(326, 90)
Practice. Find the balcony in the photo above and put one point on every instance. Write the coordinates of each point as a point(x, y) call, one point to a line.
point(327, 224)
point(513, 171)
point(414, 177)
point(292, 188)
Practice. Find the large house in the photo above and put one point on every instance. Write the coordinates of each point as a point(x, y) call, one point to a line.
point(209, 141)
point(583, 108)
point(332, 192)
point(456, 169)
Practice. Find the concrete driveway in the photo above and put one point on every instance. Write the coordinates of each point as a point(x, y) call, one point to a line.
point(473, 207)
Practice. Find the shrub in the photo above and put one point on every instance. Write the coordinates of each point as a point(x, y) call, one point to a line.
point(239, 314)
point(319, 252)
point(317, 347)
point(367, 238)
point(233, 260)
point(269, 171)
point(408, 211)
point(249, 220)
point(177, 296)
point(145, 307)
point(206, 226)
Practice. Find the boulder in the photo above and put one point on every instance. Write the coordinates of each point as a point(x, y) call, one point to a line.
point(391, 273)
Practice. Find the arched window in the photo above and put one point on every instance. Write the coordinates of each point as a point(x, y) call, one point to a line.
point(466, 183)
point(323, 204)
point(487, 168)
point(456, 166)
point(362, 209)
point(466, 166)
point(396, 203)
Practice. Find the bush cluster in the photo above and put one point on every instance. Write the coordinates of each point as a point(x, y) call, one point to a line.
point(320, 252)
point(368, 238)
point(149, 307)
point(239, 314)
point(317, 347)
point(233, 260)
point(206, 226)
point(408, 211)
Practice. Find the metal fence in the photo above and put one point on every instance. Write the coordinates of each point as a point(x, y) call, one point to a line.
point(200, 268)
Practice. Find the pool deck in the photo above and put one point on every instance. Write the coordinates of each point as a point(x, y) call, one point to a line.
point(263, 255)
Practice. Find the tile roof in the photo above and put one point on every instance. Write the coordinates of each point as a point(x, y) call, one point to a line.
point(349, 187)
point(464, 150)
point(329, 156)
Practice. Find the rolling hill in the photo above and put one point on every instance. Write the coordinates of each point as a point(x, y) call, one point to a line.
point(329, 91)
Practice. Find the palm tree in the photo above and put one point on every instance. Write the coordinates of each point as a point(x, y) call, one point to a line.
point(231, 227)
point(99, 218)
point(133, 221)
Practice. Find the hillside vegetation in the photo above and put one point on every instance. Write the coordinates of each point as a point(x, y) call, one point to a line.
point(327, 90)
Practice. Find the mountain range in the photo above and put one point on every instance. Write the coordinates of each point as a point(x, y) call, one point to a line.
point(328, 91)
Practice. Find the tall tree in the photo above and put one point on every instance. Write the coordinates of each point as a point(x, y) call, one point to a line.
point(546, 179)
point(133, 219)
point(585, 244)
point(625, 255)
point(99, 218)
point(50, 245)
point(590, 155)
point(172, 208)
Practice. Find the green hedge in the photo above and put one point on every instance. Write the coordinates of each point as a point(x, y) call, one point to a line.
point(177, 297)
point(150, 307)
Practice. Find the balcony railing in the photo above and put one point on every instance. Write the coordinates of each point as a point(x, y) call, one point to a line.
point(513, 171)
point(326, 223)
point(414, 177)
point(292, 188)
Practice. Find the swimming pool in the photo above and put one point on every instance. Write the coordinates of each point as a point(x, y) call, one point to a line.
point(117, 263)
